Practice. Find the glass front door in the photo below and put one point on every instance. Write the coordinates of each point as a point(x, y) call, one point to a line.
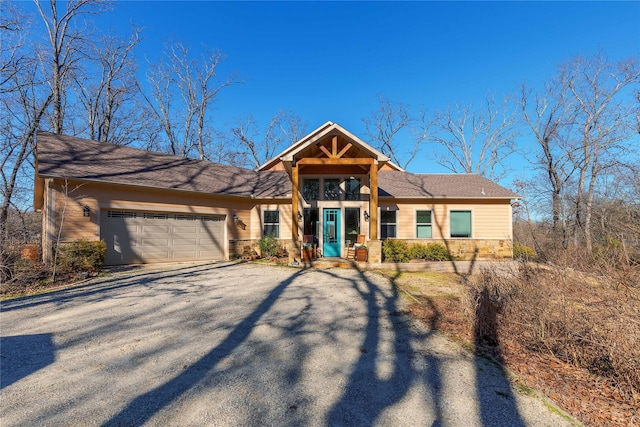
point(331, 233)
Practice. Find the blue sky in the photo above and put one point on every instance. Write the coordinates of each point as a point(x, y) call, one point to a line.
point(330, 60)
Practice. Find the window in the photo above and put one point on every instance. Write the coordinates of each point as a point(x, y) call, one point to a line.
point(387, 224)
point(352, 189)
point(351, 225)
point(460, 223)
point(271, 223)
point(311, 189)
point(423, 224)
point(331, 189)
point(310, 223)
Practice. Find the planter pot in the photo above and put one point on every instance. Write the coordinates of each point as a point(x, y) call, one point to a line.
point(30, 251)
point(361, 255)
point(307, 254)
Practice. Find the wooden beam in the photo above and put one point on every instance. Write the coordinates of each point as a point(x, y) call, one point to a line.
point(373, 202)
point(334, 146)
point(335, 161)
point(295, 197)
point(344, 150)
point(324, 150)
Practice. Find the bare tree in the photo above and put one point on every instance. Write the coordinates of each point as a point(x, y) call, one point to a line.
point(256, 146)
point(12, 39)
point(182, 91)
point(66, 43)
point(476, 141)
point(23, 103)
point(25, 107)
point(111, 105)
point(550, 116)
point(35, 79)
point(386, 126)
point(605, 121)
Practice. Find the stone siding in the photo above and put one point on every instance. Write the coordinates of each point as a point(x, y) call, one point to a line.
point(480, 249)
point(473, 249)
point(375, 251)
point(243, 248)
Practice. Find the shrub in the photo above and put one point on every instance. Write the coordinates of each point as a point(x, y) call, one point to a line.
point(269, 246)
point(430, 252)
point(583, 319)
point(395, 251)
point(523, 252)
point(82, 255)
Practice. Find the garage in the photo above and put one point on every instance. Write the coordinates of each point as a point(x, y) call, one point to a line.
point(135, 237)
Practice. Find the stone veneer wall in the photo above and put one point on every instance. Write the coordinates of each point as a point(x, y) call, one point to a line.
point(470, 249)
point(249, 247)
point(375, 251)
point(242, 248)
point(461, 249)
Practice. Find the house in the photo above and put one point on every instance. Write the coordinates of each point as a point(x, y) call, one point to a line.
point(330, 186)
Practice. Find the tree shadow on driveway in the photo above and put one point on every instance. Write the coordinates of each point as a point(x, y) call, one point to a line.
point(22, 355)
point(98, 288)
point(248, 345)
point(160, 397)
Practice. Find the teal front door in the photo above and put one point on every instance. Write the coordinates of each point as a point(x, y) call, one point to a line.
point(331, 233)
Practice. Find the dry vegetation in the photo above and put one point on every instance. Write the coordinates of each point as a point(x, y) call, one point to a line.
point(573, 335)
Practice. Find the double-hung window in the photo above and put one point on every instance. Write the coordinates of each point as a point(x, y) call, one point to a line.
point(424, 228)
point(388, 224)
point(460, 223)
point(271, 224)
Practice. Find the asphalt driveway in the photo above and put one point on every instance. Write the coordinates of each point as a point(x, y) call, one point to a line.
point(242, 345)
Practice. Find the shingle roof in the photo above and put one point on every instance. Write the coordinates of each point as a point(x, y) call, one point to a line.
point(405, 185)
point(70, 157)
point(78, 158)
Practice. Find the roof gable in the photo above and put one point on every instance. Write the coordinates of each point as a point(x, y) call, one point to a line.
point(318, 144)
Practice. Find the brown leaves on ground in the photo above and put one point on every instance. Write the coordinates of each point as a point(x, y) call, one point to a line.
point(563, 333)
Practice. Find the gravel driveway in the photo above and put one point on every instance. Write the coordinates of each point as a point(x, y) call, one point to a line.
point(242, 345)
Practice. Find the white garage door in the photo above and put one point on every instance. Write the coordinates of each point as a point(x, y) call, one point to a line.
point(146, 237)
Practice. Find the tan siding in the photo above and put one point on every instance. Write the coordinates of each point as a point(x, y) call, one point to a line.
point(285, 218)
point(100, 196)
point(490, 219)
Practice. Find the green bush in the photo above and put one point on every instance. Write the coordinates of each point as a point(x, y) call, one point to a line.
point(523, 252)
point(269, 246)
point(82, 255)
point(430, 252)
point(395, 251)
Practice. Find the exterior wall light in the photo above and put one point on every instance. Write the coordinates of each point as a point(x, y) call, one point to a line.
point(235, 218)
point(366, 216)
point(86, 211)
point(299, 216)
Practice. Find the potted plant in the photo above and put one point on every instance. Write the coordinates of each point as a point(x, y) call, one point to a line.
point(362, 253)
point(307, 252)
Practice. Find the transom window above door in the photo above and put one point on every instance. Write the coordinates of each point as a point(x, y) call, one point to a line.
point(331, 189)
